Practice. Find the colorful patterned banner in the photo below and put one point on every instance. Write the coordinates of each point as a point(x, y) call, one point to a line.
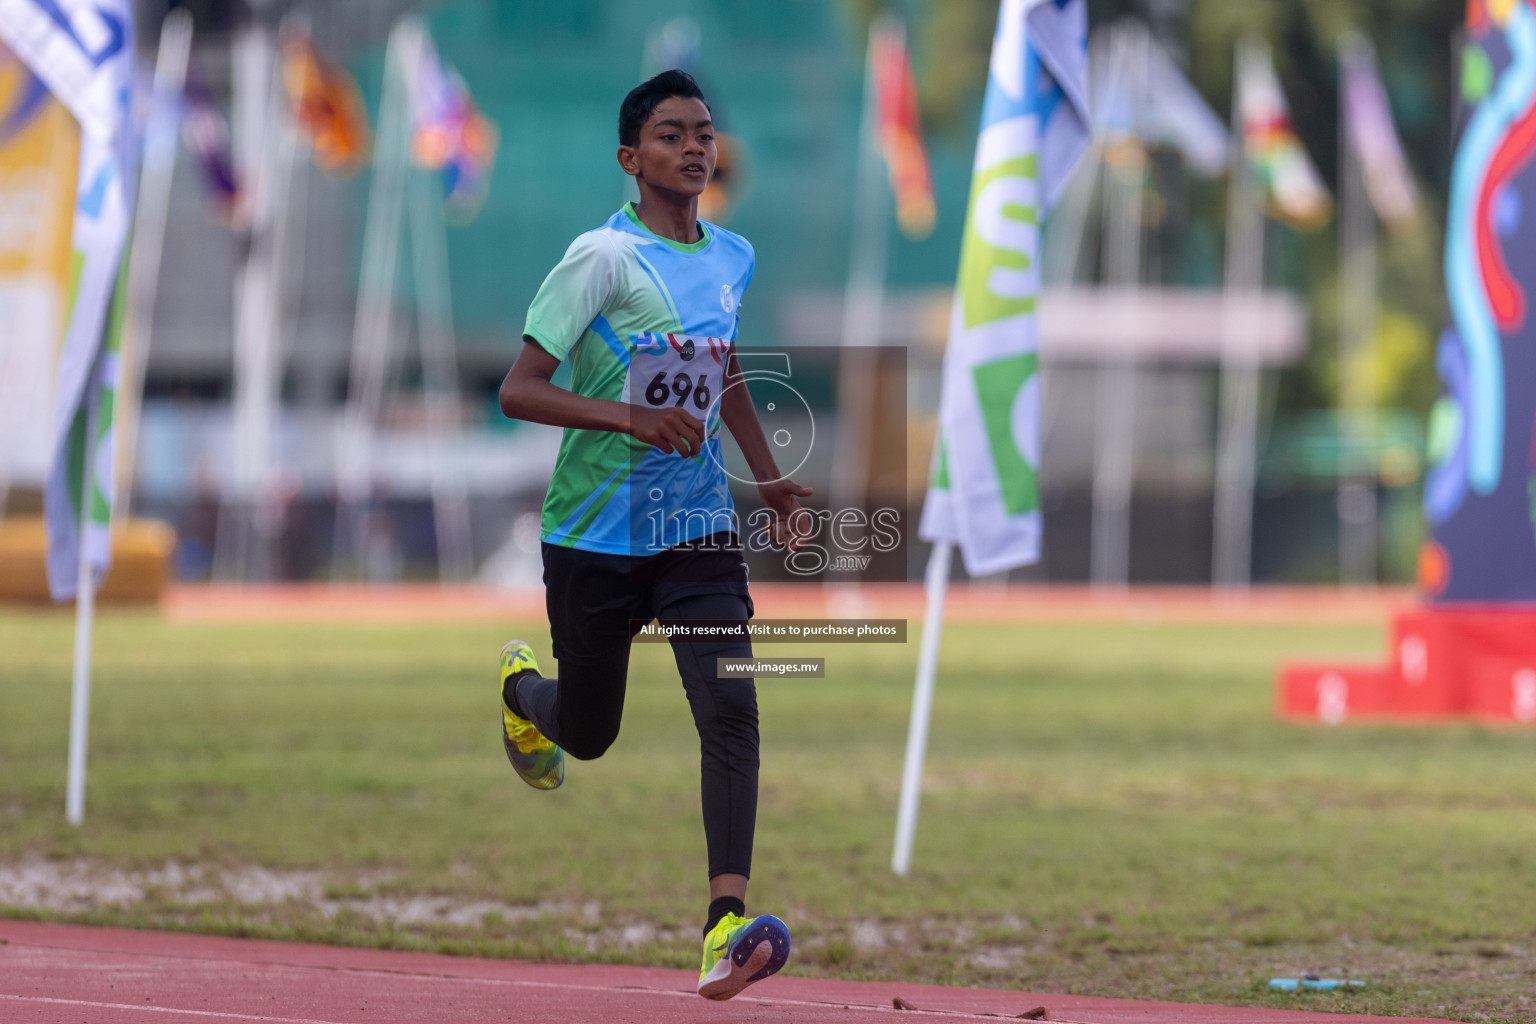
point(1480, 496)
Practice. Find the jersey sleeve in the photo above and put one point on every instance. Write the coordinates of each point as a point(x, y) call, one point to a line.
point(746, 282)
point(751, 267)
point(573, 294)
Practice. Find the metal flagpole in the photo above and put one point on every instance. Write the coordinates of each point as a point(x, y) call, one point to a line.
point(1232, 542)
point(143, 272)
point(85, 617)
point(863, 301)
point(291, 199)
point(255, 371)
point(1063, 229)
point(1114, 464)
point(439, 371)
point(1357, 316)
point(936, 583)
point(285, 170)
point(1061, 247)
point(374, 319)
point(150, 215)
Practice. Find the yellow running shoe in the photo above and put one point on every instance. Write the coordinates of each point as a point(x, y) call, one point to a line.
point(739, 951)
point(540, 763)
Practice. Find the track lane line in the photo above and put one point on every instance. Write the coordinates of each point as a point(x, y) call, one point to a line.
point(680, 993)
point(55, 1001)
point(770, 1001)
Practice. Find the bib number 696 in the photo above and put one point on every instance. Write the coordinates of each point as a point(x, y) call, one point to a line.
point(658, 392)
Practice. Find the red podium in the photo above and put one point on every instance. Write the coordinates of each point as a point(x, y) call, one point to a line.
point(1447, 661)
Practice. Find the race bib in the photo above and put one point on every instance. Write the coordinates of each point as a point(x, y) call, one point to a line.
point(679, 371)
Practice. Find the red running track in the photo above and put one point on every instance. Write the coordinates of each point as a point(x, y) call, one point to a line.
point(65, 974)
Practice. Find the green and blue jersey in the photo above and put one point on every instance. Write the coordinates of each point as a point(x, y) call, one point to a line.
point(645, 321)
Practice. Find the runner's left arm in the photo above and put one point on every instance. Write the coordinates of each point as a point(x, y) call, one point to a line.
point(780, 494)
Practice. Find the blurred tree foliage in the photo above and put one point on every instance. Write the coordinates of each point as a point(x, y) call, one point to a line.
point(1415, 40)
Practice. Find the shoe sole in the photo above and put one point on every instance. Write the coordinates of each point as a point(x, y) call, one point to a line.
point(756, 955)
point(526, 773)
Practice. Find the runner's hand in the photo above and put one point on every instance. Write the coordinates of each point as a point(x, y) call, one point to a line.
point(792, 525)
point(671, 430)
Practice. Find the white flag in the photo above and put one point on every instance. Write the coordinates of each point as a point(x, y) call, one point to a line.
point(1371, 134)
point(985, 495)
point(1156, 104)
point(83, 51)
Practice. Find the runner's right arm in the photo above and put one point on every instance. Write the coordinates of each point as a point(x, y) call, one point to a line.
point(528, 393)
point(571, 297)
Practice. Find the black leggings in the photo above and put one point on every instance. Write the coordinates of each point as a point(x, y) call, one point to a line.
point(581, 710)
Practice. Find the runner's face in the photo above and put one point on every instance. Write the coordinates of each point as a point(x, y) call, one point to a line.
point(677, 147)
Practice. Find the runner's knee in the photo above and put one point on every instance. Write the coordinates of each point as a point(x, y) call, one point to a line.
point(590, 745)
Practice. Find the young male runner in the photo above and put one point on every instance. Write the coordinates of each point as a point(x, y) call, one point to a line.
point(638, 522)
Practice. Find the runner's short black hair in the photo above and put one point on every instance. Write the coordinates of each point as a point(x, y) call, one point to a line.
point(643, 98)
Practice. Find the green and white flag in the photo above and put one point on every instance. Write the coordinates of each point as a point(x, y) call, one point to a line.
point(82, 50)
point(985, 495)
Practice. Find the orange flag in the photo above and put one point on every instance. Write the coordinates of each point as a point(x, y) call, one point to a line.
point(327, 105)
point(899, 129)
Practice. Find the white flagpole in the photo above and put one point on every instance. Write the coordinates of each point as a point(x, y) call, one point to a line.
point(1232, 542)
point(440, 378)
point(863, 305)
point(284, 171)
point(143, 274)
point(374, 320)
point(255, 384)
point(1357, 315)
point(936, 584)
point(85, 618)
point(1114, 464)
point(148, 241)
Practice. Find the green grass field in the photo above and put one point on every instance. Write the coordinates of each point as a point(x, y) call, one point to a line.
point(1110, 810)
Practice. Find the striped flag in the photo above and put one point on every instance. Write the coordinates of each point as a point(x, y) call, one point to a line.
point(1292, 182)
point(83, 52)
point(900, 129)
point(1035, 124)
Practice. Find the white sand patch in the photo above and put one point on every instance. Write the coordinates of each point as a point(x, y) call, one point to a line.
point(634, 934)
point(257, 886)
point(66, 885)
point(870, 935)
point(997, 958)
point(438, 910)
point(79, 885)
